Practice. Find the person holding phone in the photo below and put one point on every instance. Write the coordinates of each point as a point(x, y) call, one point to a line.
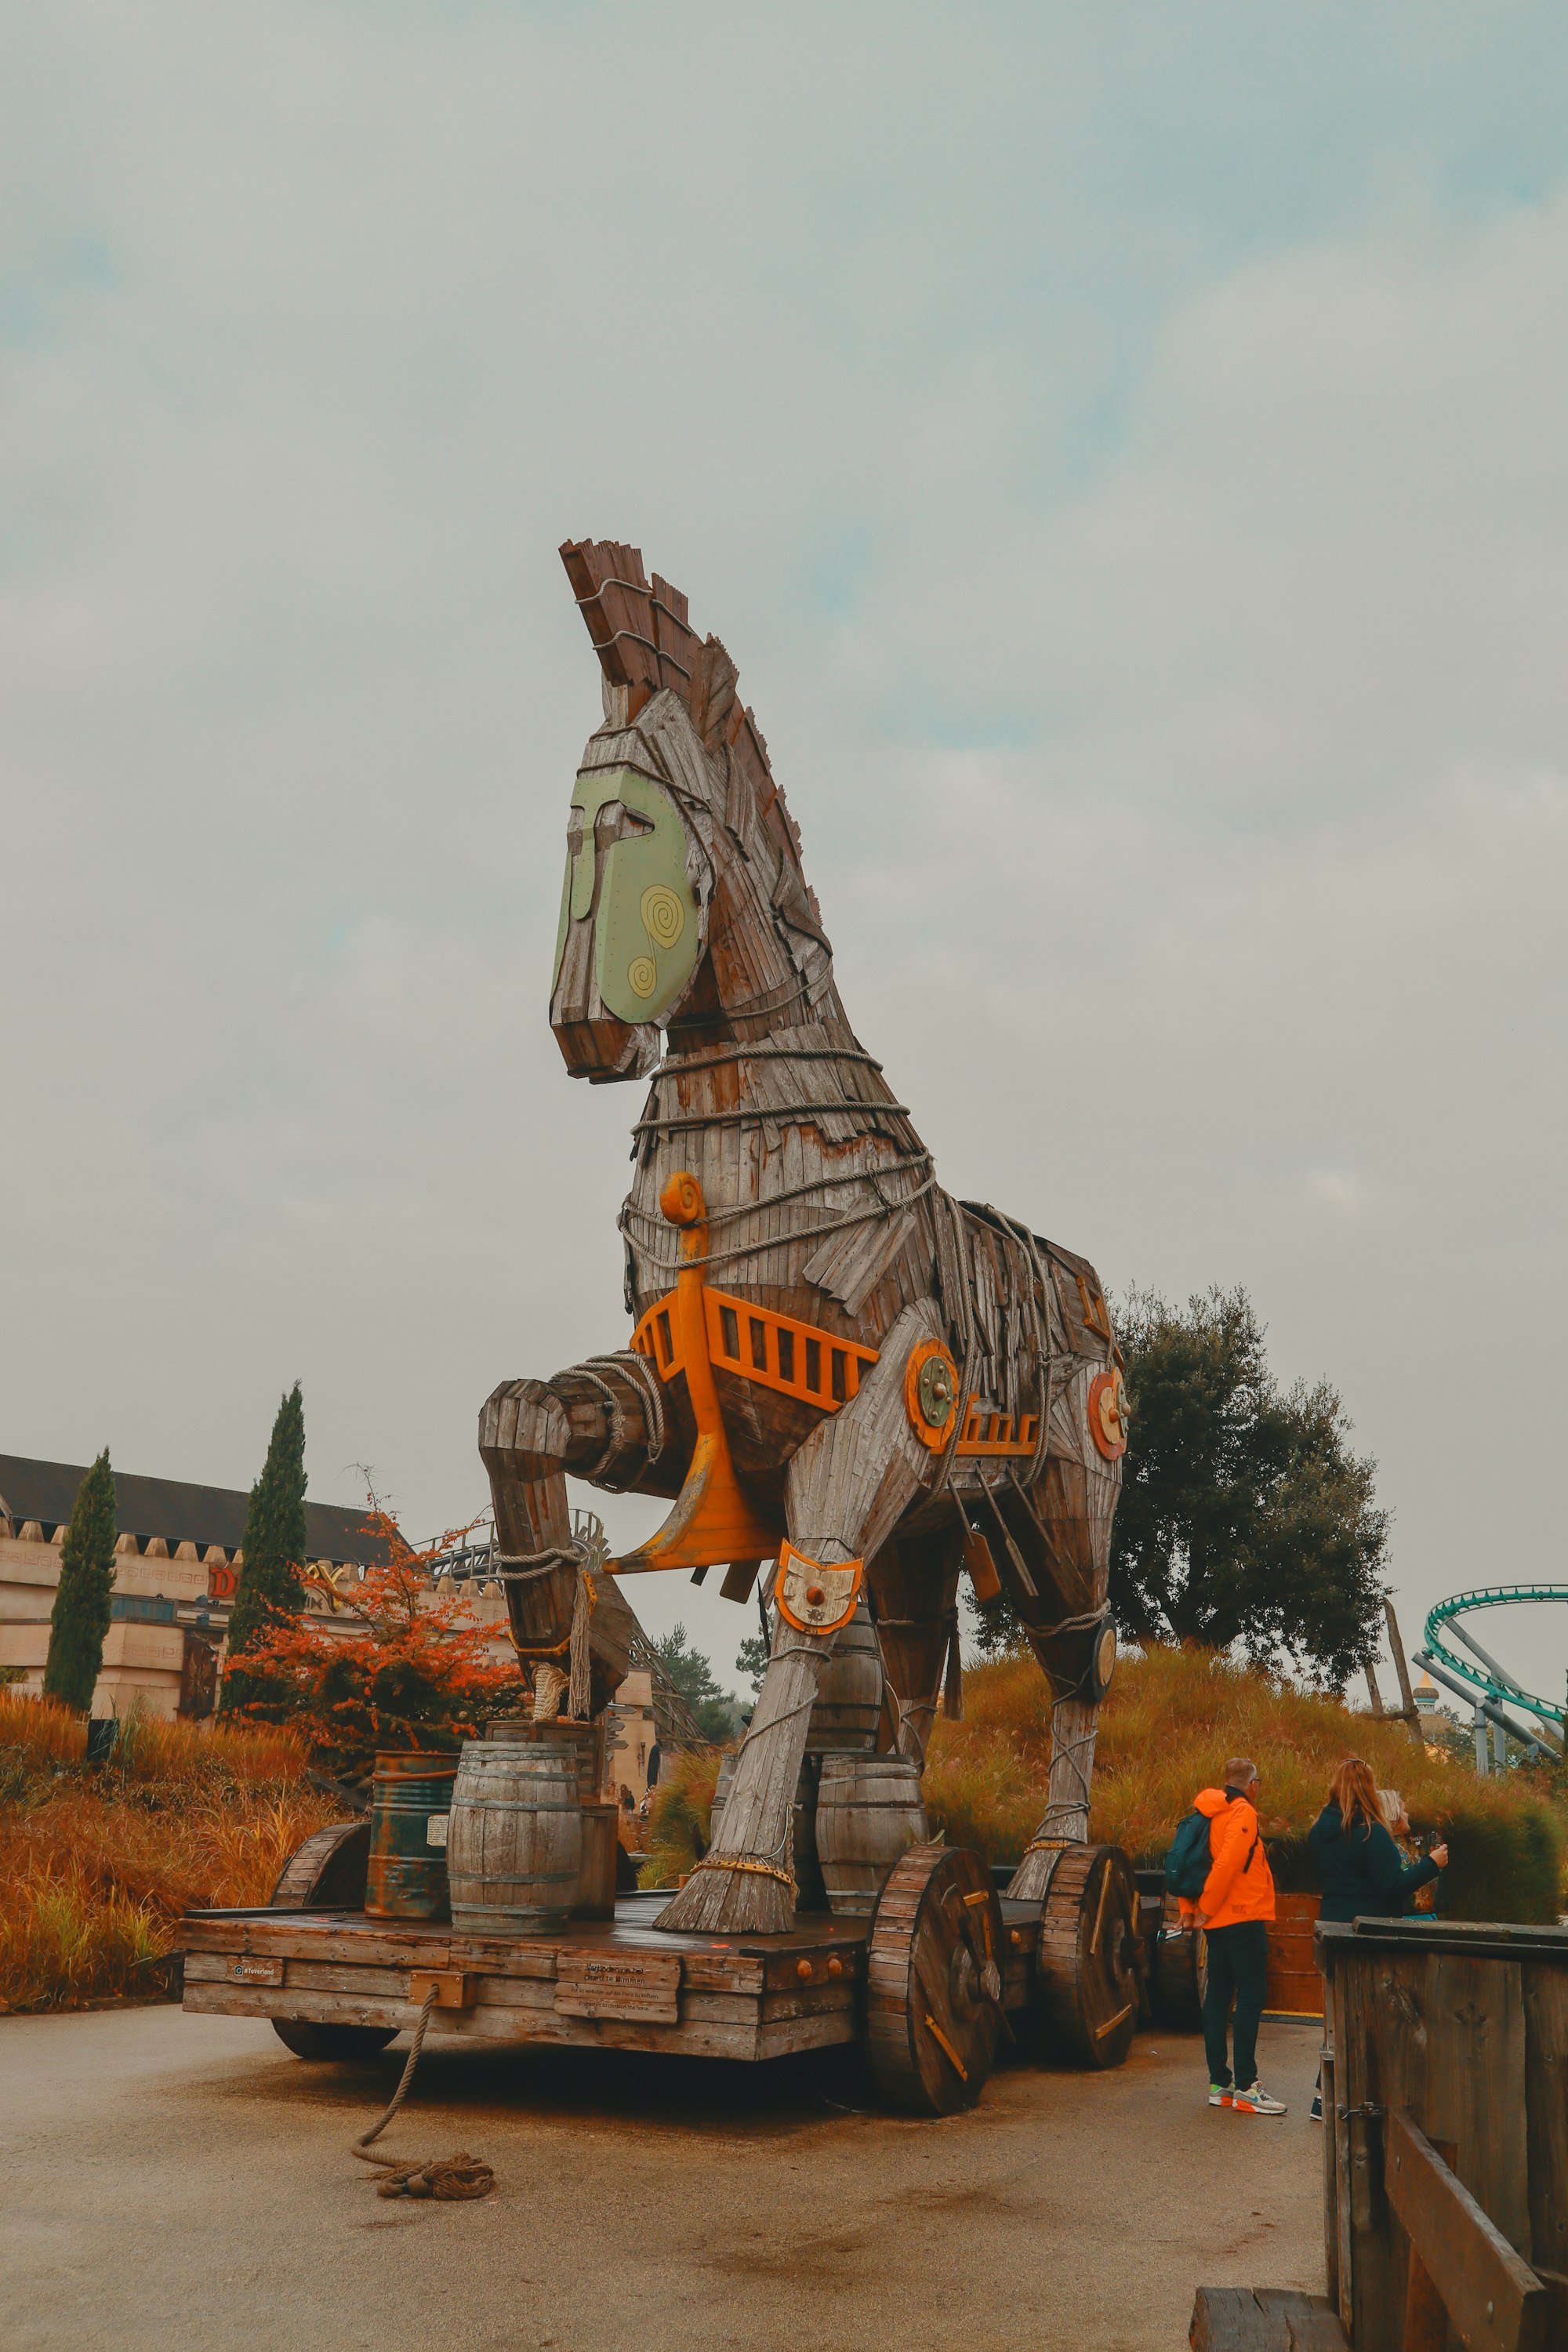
point(1359, 1865)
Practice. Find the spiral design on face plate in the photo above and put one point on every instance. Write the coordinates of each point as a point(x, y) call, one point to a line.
point(641, 975)
point(664, 919)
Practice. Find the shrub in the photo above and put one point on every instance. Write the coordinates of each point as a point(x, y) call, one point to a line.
point(96, 1866)
point(1173, 1716)
point(681, 1817)
point(421, 1675)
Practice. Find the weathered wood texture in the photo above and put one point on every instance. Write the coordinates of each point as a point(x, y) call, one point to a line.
point(933, 1989)
point(1091, 1994)
point(619, 1985)
point(329, 1868)
point(845, 1486)
point(823, 1207)
point(1263, 2319)
point(514, 1855)
point(1456, 2035)
point(868, 1812)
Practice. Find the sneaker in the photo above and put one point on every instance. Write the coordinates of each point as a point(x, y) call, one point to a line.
point(1256, 2102)
point(1220, 2095)
point(1316, 2110)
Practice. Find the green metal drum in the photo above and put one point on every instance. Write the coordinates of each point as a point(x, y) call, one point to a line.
point(411, 1799)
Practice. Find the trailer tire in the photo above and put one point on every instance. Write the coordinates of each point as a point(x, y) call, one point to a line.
point(306, 2039)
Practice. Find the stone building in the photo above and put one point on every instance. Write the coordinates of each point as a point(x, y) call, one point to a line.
point(175, 1572)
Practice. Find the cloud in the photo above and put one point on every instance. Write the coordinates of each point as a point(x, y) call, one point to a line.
point(1139, 517)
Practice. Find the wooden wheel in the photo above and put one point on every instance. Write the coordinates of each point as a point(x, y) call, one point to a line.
point(933, 1993)
point(328, 1873)
point(1088, 1957)
point(1181, 1959)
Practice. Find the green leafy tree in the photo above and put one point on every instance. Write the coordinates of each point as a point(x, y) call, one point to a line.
point(1244, 1518)
point(751, 1660)
point(80, 1616)
point(717, 1715)
point(270, 1594)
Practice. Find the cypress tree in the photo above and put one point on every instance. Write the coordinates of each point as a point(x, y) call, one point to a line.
point(274, 1544)
point(80, 1616)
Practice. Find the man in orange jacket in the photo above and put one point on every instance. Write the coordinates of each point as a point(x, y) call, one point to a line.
point(1236, 1909)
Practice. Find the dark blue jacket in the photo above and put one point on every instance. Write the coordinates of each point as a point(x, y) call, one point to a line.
point(1360, 1872)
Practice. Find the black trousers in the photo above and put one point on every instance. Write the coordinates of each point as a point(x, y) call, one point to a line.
point(1238, 1967)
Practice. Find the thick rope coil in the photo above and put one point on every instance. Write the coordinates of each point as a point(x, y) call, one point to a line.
point(448, 2178)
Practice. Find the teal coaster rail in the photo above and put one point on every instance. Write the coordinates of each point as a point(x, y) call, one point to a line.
point(1493, 1682)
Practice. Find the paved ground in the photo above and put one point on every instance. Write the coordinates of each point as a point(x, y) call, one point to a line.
point(170, 2180)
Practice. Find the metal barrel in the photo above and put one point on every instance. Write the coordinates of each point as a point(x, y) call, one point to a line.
point(514, 1853)
point(869, 1811)
point(411, 1797)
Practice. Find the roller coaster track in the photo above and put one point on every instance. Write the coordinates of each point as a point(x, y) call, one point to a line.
point(1494, 1686)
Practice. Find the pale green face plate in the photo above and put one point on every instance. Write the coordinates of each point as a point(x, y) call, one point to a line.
point(647, 924)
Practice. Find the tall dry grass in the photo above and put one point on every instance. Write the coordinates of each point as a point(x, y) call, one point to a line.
point(679, 1819)
point(1171, 1719)
point(96, 1865)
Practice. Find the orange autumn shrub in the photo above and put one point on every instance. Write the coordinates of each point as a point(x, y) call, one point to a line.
point(420, 1676)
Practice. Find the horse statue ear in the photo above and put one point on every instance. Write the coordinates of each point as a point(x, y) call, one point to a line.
point(712, 696)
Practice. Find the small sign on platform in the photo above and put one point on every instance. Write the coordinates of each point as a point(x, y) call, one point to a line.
point(642, 1987)
point(250, 1968)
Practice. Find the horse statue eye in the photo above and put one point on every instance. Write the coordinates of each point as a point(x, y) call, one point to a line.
point(617, 821)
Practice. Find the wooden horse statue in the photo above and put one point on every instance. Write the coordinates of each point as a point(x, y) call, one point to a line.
point(834, 1365)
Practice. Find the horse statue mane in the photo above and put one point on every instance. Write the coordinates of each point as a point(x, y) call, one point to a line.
point(837, 1373)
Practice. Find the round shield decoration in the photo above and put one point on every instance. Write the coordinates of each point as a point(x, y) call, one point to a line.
point(931, 1394)
point(1109, 1414)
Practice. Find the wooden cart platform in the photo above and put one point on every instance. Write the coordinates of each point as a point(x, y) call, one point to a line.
point(612, 1984)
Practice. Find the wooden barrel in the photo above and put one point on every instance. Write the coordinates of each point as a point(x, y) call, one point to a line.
point(809, 1891)
point(1294, 1987)
point(514, 1853)
point(843, 1721)
point(869, 1811)
point(411, 1795)
point(586, 1742)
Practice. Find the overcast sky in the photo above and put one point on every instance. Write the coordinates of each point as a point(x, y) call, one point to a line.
point(1124, 451)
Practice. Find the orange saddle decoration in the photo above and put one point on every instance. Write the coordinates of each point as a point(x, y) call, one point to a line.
point(713, 1519)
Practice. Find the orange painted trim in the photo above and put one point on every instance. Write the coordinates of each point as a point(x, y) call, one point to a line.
point(713, 1519)
point(756, 1343)
point(827, 1605)
point(996, 1436)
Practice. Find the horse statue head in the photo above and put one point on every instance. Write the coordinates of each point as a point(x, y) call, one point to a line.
point(684, 908)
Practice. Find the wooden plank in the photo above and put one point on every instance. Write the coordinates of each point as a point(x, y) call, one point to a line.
point(1263, 2319)
point(498, 2023)
point(625, 1985)
point(1546, 2115)
point(1476, 2082)
point(1493, 2298)
point(1228, 2319)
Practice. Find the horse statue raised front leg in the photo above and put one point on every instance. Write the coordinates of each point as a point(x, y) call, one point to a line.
point(834, 1365)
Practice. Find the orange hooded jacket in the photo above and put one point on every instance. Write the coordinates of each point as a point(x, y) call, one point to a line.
point(1241, 1884)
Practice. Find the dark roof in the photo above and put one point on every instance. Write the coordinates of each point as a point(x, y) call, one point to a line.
point(169, 1507)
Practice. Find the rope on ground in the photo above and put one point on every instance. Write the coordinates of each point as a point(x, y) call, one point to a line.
point(448, 2178)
